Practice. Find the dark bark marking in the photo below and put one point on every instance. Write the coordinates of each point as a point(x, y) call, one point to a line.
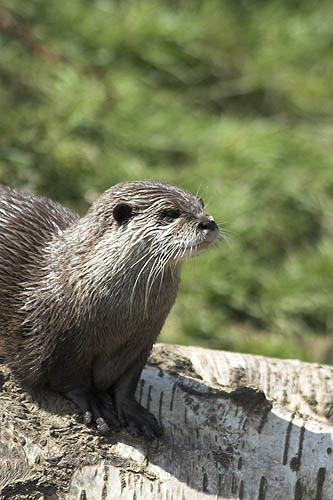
point(320, 482)
point(295, 462)
point(287, 440)
point(105, 483)
point(205, 483)
point(149, 397)
point(298, 490)
point(234, 484)
point(241, 490)
point(160, 407)
point(262, 488)
point(172, 396)
point(220, 484)
point(263, 419)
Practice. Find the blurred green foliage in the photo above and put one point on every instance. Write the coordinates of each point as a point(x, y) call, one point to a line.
point(231, 98)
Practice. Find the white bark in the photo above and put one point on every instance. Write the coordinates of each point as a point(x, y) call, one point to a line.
point(235, 427)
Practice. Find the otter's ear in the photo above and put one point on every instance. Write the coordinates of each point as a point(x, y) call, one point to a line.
point(122, 213)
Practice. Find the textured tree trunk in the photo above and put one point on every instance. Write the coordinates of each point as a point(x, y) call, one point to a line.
point(235, 427)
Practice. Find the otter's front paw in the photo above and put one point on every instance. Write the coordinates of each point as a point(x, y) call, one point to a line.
point(96, 408)
point(139, 420)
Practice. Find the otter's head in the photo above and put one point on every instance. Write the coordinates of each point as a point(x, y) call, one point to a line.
point(156, 219)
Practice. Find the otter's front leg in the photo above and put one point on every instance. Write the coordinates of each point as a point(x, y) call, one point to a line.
point(119, 378)
point(96, 404)
point(129, 411)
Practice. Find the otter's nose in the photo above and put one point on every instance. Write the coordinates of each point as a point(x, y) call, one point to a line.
point(210, 228)
point(207, 224)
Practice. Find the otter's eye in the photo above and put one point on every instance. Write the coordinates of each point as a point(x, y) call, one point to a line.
point(170, 214)
point(122, 213)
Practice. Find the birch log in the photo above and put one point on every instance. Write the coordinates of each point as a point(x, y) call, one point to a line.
point(235, 427)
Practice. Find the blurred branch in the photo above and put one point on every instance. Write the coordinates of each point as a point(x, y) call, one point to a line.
point(13, 28)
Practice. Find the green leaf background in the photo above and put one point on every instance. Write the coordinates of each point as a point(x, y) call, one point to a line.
point(231, 99)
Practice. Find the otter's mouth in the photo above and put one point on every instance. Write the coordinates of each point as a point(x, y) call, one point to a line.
point(201, 246)
point(196, 242)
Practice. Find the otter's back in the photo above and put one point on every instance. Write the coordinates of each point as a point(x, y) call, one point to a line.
point(27, 224)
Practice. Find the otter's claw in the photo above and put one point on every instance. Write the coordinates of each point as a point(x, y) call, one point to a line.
point(87, 417)
point(95, 408)
point(102, 426)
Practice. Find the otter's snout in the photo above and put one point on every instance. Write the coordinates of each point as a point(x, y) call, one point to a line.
point(210, 228)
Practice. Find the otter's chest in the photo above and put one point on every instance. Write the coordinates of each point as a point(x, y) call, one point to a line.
point(139, 316)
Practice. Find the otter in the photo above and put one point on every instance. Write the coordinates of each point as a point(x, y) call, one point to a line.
point(82, 300)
